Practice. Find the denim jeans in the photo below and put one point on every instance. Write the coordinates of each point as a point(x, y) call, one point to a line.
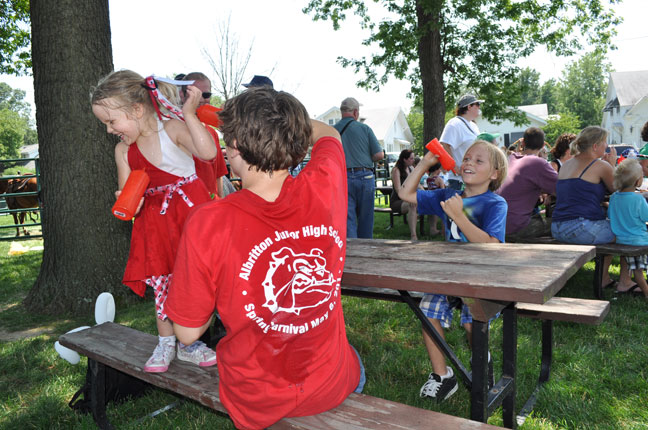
point(363, 376)
point(360, 216)
point(583, 231)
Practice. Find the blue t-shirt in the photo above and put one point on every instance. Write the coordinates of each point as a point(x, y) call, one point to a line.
point(628, 213)
point(487, 211)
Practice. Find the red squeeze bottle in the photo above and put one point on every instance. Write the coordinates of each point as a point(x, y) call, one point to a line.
point(447, 162)
point(209, 115)
point(126, 205)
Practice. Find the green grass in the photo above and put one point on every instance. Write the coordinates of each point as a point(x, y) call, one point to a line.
point(598, 378)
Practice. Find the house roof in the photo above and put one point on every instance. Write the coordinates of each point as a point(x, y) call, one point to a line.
point(630, 86)
point(380, 120)
point(540, 110)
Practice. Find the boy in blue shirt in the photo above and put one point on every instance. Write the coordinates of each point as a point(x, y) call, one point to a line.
point(475, 214)
point(628, 213)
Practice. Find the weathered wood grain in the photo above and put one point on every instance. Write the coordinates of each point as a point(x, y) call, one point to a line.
point(126, 349)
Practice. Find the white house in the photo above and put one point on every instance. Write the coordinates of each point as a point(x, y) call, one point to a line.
point(626, 107)
point(509, 132)
point(388, 124)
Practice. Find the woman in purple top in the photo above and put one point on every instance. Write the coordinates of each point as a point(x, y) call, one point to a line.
point(583, 182)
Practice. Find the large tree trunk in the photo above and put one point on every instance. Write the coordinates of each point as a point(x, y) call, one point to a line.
point(431, 66)
point(85, 247)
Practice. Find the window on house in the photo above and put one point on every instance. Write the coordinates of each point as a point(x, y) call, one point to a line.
point(331, 121)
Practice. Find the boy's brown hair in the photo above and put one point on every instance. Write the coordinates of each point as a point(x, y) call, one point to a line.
point(497, 160)
point(272, 129)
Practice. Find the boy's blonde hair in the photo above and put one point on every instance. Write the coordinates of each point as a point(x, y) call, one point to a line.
point(627, 173)
point(127, 88)
point(588, 137)
point(497, 160)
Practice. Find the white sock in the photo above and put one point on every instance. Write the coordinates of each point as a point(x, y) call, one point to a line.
point(167, 339)
point(448, 373)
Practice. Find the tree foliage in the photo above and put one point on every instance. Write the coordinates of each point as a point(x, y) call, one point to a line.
point(14, 99)
point(530, 91)
point(583, 87)
point(443, 47)
point(12, 132)
point(566, 122)
point(15, 54)
point(15, 127)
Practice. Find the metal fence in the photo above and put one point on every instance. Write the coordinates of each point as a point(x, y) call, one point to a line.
point(16, 212)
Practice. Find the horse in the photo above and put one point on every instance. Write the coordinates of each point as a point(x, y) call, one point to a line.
point(10, 186)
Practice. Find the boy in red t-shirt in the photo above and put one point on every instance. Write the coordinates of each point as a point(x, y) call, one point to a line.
point(269, 260)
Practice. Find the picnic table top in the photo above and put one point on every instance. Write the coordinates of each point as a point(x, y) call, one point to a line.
point(503, 272)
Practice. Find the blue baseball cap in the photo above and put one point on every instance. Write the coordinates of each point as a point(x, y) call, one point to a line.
point(259, 81)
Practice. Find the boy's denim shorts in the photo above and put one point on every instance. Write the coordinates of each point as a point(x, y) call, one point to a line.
point(436, 306)
point(583, 231)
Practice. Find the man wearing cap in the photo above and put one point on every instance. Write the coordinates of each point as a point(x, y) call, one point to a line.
point(259, 81)
point(529, 176)
point(361, 150)
point(459, 133)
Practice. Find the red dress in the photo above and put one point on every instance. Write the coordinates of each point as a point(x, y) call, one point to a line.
point(155, 237)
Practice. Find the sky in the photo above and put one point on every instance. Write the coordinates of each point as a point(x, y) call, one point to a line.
point(298, 54)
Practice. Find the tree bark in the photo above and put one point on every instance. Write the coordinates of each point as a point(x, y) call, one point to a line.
point(431, 67)
point(85, 247)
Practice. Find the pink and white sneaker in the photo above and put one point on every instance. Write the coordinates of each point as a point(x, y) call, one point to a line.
point(197, 353)
point(163, 355)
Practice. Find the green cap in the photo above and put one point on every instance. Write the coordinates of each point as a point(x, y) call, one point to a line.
point(643, 152)
point(488, 137)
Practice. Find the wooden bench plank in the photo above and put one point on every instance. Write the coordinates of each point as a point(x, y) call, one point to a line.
point(567, 309)
point(127, 349)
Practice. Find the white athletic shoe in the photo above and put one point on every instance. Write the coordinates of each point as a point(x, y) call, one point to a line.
point(163, 355)
point(197, 353)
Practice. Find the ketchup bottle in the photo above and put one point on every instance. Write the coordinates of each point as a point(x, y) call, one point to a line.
point(209, 115)
point(447, 162)
point(126, 205)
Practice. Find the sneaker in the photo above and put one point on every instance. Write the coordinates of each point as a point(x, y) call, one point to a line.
point(197, 353)
point(491, 372)
point(162, 356)
point(440, 388)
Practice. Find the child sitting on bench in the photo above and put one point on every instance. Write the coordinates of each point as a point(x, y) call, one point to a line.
point(269, 258)
point(628, 213)
point(475, 214)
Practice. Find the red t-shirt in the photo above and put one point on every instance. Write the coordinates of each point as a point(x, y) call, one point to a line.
point(210, 171)
point(273, 271)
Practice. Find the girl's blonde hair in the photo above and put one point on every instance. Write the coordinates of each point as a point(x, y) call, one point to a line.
point(127, 88)
point(588, 137)
point(497, 160)
point(627, 173)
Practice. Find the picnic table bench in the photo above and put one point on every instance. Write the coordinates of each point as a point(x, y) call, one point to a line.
point(602, 250)
point(126, 349)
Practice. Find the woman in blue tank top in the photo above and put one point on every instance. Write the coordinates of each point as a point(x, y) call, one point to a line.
point(583, 182)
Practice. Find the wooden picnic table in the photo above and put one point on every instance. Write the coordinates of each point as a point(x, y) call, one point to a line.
point(490, 278)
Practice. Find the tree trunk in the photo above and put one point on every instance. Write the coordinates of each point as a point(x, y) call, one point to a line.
point(431, 66)
point(85, 247)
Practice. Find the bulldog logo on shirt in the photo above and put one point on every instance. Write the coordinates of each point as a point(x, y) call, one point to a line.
point(297, 281)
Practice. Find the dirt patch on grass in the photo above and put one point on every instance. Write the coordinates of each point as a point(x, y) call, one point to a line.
point(10, 336)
